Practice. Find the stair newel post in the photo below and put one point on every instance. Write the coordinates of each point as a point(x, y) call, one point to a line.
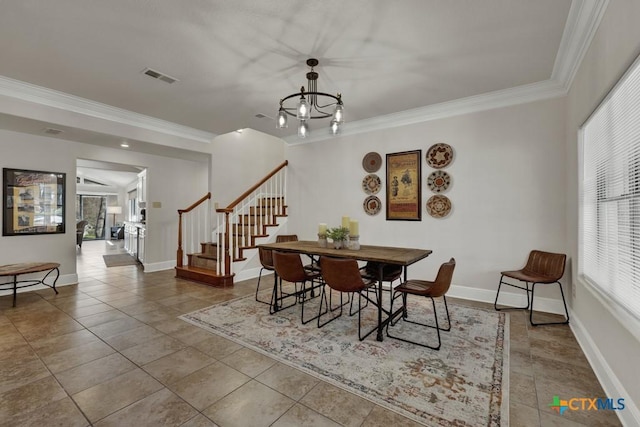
point(227, 245)
point(180, 252)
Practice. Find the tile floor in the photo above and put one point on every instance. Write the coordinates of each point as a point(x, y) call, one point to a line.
point(110, 351)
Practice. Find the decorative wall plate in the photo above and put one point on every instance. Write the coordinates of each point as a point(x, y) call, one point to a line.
point(372, 205)
point(438, 181)
point(372, 162)
point(371, 184)
point(439, 155)
point(438, 206)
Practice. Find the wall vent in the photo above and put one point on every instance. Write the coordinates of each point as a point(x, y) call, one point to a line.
point(158, 75)
point(53, 131)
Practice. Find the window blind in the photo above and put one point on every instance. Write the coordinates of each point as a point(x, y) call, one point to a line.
point(609, 234)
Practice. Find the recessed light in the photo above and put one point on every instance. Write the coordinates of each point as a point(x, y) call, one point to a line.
point(239, 130)
point(124, 144)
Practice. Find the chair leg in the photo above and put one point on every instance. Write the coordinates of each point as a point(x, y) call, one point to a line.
point(502, 282)
point(258, 288)
point(360, 308)
point(549, 323)
point(323, 298)
point(304, 298)
point(436, 327)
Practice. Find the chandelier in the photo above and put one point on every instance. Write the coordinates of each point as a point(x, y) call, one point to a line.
point(311, 105)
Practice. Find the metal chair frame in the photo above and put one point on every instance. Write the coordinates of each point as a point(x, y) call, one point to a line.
point(429, 289)
point(533, 271)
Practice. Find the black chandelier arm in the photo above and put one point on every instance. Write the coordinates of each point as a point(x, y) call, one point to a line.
point(314, 106)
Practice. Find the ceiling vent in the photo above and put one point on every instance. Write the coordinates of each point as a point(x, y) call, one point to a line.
point(53, 131)
point(158, 75)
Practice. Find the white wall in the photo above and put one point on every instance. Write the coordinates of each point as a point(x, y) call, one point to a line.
point(612, 347)
point(239, 160)
point(507, 191)
point(172, 182)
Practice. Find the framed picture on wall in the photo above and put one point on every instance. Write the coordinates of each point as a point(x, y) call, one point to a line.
point(404, 186)
point(33, 202)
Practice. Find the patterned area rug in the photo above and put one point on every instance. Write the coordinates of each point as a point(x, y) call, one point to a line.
point(463, 384)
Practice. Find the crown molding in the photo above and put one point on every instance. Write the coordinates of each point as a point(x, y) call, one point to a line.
point(582, 23)
point(51, 98)
point(497, 99)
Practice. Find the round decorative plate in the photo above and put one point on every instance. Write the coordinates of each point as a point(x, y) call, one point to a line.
point(371, 184)
point(438, 181)
point(372, 205)
point(438, 206)
point(439, 155)
point(372, 162)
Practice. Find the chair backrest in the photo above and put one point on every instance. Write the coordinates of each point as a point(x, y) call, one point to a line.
point(289, 267)
point(80, 226)
point(443, 280)
point(286, 238)
point(341, 274)
point(266, 257)
point(547, 264)
point(390, 272)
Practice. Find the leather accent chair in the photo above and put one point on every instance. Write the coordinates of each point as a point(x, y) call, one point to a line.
point(429, 289)
point(266, 261)
point(80, 226)
point(542, 268)
point(288, 267)
point(344, 276)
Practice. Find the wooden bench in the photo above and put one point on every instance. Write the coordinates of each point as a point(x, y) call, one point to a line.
point(16, 270)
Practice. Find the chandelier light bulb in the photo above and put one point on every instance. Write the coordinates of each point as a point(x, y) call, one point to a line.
point(304, 113)
point(282, 119)
point(335, 127)
point(303, 129)
point(338, 114)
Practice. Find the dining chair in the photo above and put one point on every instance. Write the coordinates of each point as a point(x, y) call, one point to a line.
point(344, 276)
point(390, 273)
point(288, 266)
point(266, 262)
point(294, 238)
point(425, 288)
point(541, 268)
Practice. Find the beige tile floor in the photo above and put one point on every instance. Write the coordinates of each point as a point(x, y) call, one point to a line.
point(110, 351)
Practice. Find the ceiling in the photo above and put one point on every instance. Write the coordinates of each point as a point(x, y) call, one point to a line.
point(234, 60)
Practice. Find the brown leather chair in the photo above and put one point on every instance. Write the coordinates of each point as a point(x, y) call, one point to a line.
point(266, 261)
point(344, 276)
point(288, 267)
point(430, 289)
point(294, 238)
point(80, 226)
point(542, 268)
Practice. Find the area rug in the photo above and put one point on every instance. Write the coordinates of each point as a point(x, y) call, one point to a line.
point(465, 383)
point(118, 260)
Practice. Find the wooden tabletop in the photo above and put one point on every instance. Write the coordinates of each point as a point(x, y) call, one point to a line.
point(26, 267)
point(383, 254)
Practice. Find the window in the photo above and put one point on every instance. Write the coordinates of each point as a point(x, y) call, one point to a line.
point(609, 257)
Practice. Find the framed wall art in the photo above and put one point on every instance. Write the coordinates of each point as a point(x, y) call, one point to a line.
point(32, 202)
point(404, 181)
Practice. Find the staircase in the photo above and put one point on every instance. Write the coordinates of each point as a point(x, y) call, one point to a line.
point(214, 257)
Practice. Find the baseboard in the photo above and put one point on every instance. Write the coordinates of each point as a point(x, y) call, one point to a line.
point(158, 266)
point(630, 415)
point(63, 280)
point(250, 273)
point(547, 305)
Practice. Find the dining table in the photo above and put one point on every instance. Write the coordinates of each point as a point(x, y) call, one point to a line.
point(381, 255)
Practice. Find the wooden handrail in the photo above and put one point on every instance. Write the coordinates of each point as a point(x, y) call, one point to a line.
point(195, 205)
point(254, 188)
point(180, 252)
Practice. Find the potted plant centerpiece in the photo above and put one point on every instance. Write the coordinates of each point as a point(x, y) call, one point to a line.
point(338, 235)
